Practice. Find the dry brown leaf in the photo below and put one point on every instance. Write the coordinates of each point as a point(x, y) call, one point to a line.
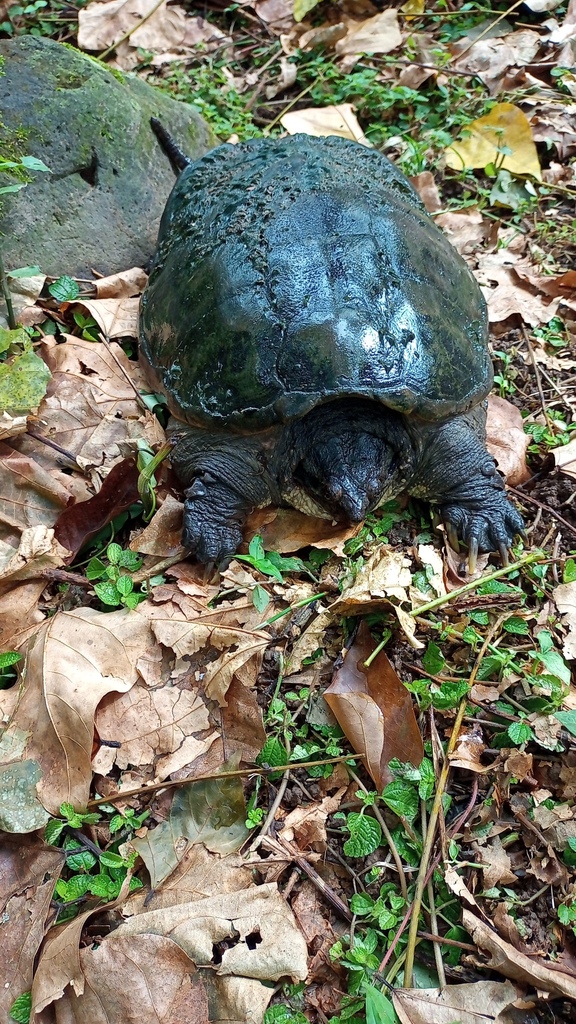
point(565, 458)
point(379, 34)
point(59, 964)
point(498, 870)
point(466, 229)
point(116, 318)
point(565, 601)
point(507, 441)
point(514, 964)
point(374, 709)
point(157, 727)
point(338, 119)
point(306, 826)
point(123, 285)
point(168, 31)
point(385, 575)
point(287, 530)
point(163, 535)
point(10, 426)
point(427, 189)
point(492, 59)
point(30, 495)
point(468, 751)
point(75, 659)
point(505, 126)
point(458, 886)
point(519, 764)
point(196, 927)
point(477, 1002)
point(29, 870)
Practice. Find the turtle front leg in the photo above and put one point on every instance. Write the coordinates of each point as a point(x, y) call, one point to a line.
point(225, 479)
point(455, 471)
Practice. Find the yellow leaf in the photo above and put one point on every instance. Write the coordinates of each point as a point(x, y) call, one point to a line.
point(302, 7)
point(336, 119)
point(412, 8)
point(503, 138)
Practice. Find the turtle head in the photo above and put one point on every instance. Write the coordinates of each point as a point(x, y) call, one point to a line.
point(354, 455)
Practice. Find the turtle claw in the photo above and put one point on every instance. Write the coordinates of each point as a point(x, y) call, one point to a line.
point(452, 535)
point(492, 527)
point(504, 557)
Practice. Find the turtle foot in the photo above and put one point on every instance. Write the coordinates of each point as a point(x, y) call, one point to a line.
point(492, 527)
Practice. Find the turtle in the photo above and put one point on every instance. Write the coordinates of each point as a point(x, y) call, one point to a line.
point(320, 345)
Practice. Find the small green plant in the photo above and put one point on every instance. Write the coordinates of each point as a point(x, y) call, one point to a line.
point(8, 659)
point(117, 588)
point(365, 832)
point(91, 871)
point(21, 1008)
point(269, 563)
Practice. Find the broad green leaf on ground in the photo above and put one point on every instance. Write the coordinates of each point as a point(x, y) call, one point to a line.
point(374, 710)
point(338, 119)
point(210, 811)
point(502, 138)
point(74, 660)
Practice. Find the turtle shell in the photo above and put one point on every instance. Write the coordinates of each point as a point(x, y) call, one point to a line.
point(291, 272)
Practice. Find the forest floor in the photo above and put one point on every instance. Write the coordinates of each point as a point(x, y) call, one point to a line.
point(435, 879)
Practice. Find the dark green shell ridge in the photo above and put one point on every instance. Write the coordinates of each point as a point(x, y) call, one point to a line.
point(291, 272)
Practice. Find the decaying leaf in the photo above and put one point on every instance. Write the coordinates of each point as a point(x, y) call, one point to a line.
point(503, 138)
point(565, 458)
point(477, 1002)
point(506, 440)
point(512, 963)
point(565, 601)
point(124, 285)
point(379, 34)
point(81, 521)
point(374, 710)
point(116, 318)
point(75, 659)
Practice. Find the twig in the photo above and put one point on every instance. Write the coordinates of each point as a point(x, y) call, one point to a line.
point(535, 556)
point(488, 29)
point(236, 773)
point(538, 378)
point(433, 919)
point(7, 296)
point(435, 812)
point(449, 942)
point(127, 34)
point(57, 448)
point(542, 505)
point(281, 844)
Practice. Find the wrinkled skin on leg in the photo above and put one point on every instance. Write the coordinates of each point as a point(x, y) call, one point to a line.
point(344, 458)
point(454, 470)
point(225, 479)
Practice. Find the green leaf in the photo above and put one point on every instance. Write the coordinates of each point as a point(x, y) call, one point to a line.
point(260, 598)
point(517, 626)
point(21, 1008)
point(433, 660)
point(273, 753)
point(95, 569)
point(545, 641)
point(65, 289)
point(555, 665)
point(449, 695)
point(480, 618)
point(108, 594)
point(133, 600)
point(569, 574)
point(256, 548)
point(379, 1009)
point(360, 903)
point(32, 163)
point(112, 860)
point(74, 888)
point(520, 732)
point(568, 720)
point(129, 560)
point(53, 830)
point(8, 658)
point(303, 7)
point(23, 381)
point(104, 886)
point(427, 779)
point(402, 798)
point(83, 861)
point(283, 1015)
point(365, 835)
point(67, 811)
point(124, 585)
point(24, 272)
point(114, 553)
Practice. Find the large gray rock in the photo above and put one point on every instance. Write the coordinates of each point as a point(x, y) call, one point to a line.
point(100, 206)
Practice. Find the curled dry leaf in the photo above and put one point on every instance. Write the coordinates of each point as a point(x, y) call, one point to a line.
point(466, 229)
point(565, 458)
point(506, 126)
point(514, 964)
point(374, 709)
point(565, 601)
point(493, 60)
point(286, 530)
point(338, 119)
point(498, 870)
point(162, 536)
point(477, 1002)
point(84, 519)
point(306, 826)
point(124, 285)
point(30, 496)
point(379, 34)
point(427, 189)
point(506, 440)
point(10, 426)
point(381, 582)
point(116, 318)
